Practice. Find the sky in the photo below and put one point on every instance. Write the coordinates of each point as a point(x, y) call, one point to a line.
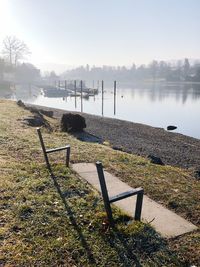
point(67, 33)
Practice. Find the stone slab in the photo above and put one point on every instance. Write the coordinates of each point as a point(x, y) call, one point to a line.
point(166, 222)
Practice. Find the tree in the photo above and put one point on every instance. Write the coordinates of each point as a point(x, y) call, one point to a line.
point(153, 67)
point(186, 67)
point(14, 49)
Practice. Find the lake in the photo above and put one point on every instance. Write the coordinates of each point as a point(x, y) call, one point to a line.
point(158, 105)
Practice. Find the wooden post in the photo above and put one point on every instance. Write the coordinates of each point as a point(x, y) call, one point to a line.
point(115, 86)
point(81, 96)
point(104, 192)
point(75, 91)
point(102, 87)
point(138, 208)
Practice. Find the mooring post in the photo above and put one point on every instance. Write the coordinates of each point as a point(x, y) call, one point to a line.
point(81, 96)
point(65, 85)
point(115, 86)
point(102, 88)
point(104, 192)
point(75, 91)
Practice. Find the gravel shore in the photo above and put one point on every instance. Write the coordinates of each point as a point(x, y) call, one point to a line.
point(173, 148)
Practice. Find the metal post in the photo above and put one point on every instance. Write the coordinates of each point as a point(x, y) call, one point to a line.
point(138, 208)
point(67, 156)
point(104, 192)
point(115, 86)
point(102, 87)
point(81, 96)
point(44, 149)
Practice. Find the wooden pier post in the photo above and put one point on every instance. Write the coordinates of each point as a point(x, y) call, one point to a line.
point(102, 88)
point(75, 92)
point(81, 96)
point(115, 86)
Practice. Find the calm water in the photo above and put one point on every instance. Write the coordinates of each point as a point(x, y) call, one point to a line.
point(155, 105)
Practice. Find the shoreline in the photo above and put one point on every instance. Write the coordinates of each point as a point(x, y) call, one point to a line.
point(172, 148)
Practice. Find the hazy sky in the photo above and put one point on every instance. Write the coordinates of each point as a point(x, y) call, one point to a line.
point(109, 32)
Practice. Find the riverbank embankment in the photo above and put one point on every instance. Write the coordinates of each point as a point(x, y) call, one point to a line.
point(172, 148)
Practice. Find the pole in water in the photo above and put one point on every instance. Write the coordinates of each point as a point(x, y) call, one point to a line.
point(115, 86)
point(65, 85)
point(102, 87)
point(75, 91)
point(81, 96)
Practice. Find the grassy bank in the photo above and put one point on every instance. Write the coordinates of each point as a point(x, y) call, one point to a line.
point(60, 221)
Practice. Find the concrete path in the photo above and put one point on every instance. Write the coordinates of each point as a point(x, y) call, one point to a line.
point(166, 222)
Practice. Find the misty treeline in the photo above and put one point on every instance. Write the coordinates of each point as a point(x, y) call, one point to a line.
point(11, 67)
point(181, 70)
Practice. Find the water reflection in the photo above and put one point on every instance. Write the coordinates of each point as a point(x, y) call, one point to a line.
point(158, 105)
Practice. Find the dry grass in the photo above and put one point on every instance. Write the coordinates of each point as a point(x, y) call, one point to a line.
point(51, 222)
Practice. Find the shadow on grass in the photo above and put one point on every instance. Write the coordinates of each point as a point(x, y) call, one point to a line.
point(73, 220)
point(116, 240)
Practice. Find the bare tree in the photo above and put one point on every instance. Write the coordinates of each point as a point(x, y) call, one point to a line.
point(14, 49)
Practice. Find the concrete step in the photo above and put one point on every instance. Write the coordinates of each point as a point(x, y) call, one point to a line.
point(166, 222)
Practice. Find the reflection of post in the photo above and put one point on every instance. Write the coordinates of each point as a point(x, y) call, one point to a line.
point(81, 96)
point(102, 86)
point(75, 91)
point(115, 97)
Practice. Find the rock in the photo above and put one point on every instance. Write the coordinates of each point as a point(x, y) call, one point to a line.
point(197, 174)
point(35, 121)
point(155, 160)
point(47, 113)
point(72, 122)
point(171, 128)
point(117, 148)
point(21, 104)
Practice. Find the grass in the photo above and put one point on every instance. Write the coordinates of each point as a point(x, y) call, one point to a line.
point(59, 220)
